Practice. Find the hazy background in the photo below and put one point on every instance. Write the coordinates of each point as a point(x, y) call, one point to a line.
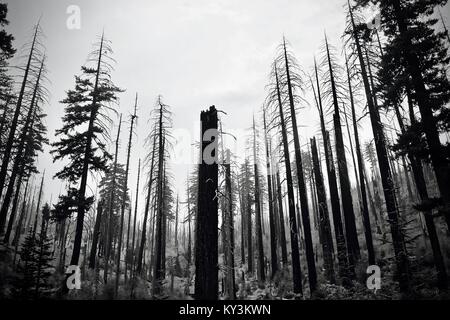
point(195, 53)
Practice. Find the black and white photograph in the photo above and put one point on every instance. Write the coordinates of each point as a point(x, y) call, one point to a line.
point(229, 156)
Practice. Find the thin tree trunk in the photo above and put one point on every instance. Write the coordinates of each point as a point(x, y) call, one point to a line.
point(273, 235)
point(249, 224)
point(324, 221)
point(12, 216)
point(124, 199)
point(361, 185)
point(422, 97)
point(147, 205)
point(36, 217)
point(158, 272)
point(134, 222)
point(23, 146)
point(259, 240)
point(229, 231)
point(346, 267)
point(15, 119)
point(283, 242)
point(108, 224)
point(312, 274)
point(19, 225)
point(386, 176)
point(86, 161)
point(96, 235)
point(346, 195)
point(296, 269)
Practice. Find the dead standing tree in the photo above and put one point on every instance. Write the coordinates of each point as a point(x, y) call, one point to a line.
point(206, 240)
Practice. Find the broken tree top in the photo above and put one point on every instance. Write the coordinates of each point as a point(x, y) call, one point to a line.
point(212, 110)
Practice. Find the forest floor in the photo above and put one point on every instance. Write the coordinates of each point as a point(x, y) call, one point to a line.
point(280, 288)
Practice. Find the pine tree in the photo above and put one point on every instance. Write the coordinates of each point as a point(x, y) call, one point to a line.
point(384, 166)
point(35, 268)
point(24, 284)
point(272, 203)
point(258, 216)
point(275, 100)
point(33, 56)
point(293, 82)
point(32, 129)
point(81, 139)
point(345, 269)
point(332, 83)
point(324, 220)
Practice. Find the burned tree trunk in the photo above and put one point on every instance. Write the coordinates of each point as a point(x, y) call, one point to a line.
point(345, 269)
point(259, 240)
point(124, 199)
point(229, 232)
point(158, 267)
point(133, 238)
point(361, 185)
point(21, 149)
point(206, 240)
point(109, 222)
point(346, 194)
point(296, 269)
point(14, 122)
point(147, 208)
point(96, 235)
point(273, 236)
point(283, 242)
point(312, 274)
point(398, 240)
point(324, 220)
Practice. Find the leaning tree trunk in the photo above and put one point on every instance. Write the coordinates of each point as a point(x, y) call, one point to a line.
point(20, 157)
point(386, 176)
point(19, 226)
point(346, 193)
point(147, 208)
point(361, 185)
point(273, 236)
point(36, 217)
point(206, 240)
point(437, 154)
point(86, 162)
point(13, 213)
point(312, 274)
point(296, 269)
point(122, 207)
point(133, 241)
point(96, 235)
point(259, 241)
point(345, 269)
point(108, 224)
point(324, 220)
point(13, 126)
point(421, 187)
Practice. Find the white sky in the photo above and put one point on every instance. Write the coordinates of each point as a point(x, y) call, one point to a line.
point(195, 53)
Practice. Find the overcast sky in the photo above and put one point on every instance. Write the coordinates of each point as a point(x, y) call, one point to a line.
point(195, 53)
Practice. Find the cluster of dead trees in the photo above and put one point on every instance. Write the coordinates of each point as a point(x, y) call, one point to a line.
point(390, 192)
point(294, 208)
